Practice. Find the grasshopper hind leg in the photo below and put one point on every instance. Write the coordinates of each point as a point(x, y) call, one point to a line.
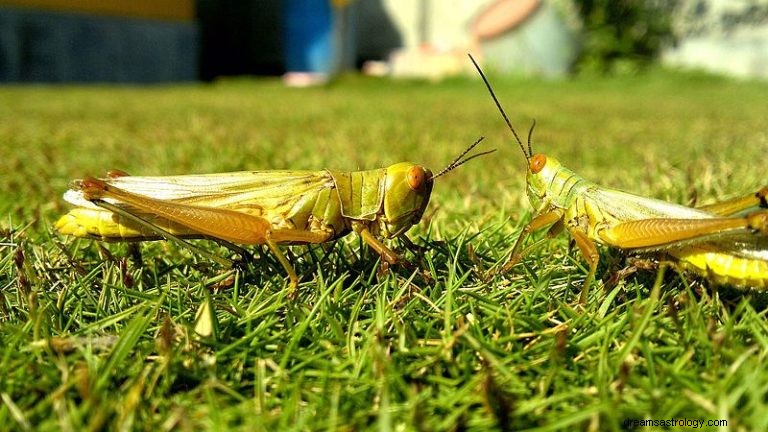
point(730, 207)
point(161, 232)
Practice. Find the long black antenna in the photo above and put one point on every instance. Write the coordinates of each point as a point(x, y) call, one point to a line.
point(530, 133)
point(501, 110)
point(458, 162)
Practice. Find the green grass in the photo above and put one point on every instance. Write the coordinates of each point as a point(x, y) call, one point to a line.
point(94, 337)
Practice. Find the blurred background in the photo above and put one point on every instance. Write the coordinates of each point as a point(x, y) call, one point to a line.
point(309, 41)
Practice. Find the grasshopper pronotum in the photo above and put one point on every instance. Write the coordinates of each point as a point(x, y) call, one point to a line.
point(725, 242)
point(255, 207)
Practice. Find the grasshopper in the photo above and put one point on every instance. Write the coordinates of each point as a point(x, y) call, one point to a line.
point(727, 242)
point(255, 207)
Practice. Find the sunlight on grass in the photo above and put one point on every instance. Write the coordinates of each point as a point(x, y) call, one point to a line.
point(103, 336)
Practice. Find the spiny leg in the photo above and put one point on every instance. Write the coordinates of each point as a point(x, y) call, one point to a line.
point(650, 233)
point(418, 250)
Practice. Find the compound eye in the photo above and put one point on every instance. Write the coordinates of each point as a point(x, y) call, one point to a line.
point(537, 162)
point(416, 177)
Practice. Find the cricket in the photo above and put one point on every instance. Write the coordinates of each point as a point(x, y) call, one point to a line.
point(269, 208)
point(726, 242)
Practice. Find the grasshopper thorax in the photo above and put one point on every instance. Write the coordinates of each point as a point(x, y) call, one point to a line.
point(542, 175)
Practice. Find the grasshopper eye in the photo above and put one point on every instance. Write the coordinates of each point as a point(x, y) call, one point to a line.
point(416, 177)
point(537, 163)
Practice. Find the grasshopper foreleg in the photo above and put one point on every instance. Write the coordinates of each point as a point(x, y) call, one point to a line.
point(553, 217)
point(387, 254)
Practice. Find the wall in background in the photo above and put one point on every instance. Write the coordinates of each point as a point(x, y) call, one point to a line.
point(134, 41)
point(722, 36)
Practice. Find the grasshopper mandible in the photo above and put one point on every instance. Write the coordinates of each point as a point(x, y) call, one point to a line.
point(726, 242)
point(255, 207)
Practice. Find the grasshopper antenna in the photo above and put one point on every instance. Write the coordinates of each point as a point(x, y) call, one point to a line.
point(501, 110)
point(458, 161)
point(530, 133)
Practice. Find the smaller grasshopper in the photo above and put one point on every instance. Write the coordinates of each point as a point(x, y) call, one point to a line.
point(726, 242)
point(255, 207)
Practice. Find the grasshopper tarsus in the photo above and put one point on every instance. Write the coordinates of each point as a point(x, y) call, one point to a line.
point(762, 196)
point(511, 262)
point(612, 279)
point(383, 269)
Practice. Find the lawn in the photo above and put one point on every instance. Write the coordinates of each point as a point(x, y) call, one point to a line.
point(105, 336)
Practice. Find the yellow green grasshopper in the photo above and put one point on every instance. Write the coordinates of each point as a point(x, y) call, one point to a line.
point(255, 207)
point(726, 242)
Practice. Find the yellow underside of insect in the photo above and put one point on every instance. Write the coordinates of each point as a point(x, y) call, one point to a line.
point(102, 225)
point(723, 268)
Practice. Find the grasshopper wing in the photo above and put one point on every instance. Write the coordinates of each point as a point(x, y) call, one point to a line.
point(277, 191)
point(272, 195)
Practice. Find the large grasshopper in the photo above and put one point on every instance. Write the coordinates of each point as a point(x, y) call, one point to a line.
point(726, 242)
point(255, 207)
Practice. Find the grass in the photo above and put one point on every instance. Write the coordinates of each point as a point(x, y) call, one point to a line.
point(96, 337)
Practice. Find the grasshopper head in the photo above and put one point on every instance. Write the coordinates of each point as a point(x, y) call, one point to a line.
point(541, 172)
point(406, 194)
point(407, 189)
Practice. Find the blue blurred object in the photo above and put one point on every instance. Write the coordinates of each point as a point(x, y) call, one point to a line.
point(308, 36)
point(319, 39)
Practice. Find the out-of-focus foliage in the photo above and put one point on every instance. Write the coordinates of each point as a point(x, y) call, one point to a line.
point(623, 36)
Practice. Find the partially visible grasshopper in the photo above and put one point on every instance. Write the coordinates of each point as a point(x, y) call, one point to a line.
point(255, 207)
point(726, 242)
